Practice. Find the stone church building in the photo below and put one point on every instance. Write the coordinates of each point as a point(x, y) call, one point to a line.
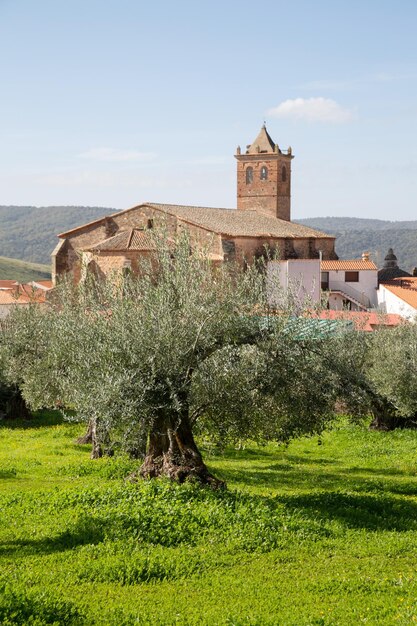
point(262, 218)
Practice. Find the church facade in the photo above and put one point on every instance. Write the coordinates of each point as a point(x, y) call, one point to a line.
point(262, 218)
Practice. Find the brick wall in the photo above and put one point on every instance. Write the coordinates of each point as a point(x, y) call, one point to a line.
point(271, 196)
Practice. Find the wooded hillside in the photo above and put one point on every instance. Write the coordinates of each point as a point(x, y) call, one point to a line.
point(356, 235)
point(30, 233)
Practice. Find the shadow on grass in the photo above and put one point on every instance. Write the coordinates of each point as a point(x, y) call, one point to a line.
point(356, 510)
point(302, 460)
point(279, 476)
point(88, 531)
point(39, 420)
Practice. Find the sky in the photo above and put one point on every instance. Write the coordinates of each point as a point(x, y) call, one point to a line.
point(116, 102)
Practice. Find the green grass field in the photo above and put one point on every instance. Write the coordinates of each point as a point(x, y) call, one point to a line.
point(322, 532)
point(23, 271)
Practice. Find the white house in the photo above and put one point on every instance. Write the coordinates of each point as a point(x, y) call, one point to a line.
point(294, 280)
point(350, 284)
point(399, 296)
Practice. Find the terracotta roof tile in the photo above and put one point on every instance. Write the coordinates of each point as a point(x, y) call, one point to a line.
point(7, 296)
point(229, 222)
point(408, 294)
point(406, 281)
point(235, 223)
point(133, 239)
point(364, 320)
point(43, 284)
point(8, 284)
point(354, 264)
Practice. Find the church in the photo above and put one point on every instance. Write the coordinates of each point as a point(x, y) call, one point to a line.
point(262, 218)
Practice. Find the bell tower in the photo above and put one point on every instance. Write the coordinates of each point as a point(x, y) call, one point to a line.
point(264, 178)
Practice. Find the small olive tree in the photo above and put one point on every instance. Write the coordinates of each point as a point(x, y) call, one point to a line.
point(392, 373)
point(149, 361)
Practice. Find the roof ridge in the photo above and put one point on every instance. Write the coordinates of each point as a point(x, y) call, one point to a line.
point(129, 240)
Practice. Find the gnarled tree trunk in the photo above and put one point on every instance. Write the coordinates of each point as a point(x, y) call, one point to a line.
point(96, 450)
point(172, 452)
point(88, 436)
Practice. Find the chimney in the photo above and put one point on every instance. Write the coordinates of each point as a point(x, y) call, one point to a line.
point(365, 256)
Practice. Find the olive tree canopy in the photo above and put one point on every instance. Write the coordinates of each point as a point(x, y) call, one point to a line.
point(185, 348)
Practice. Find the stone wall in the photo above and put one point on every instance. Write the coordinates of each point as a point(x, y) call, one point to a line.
point(67, 256)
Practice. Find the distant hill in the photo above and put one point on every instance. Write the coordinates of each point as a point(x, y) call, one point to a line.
point(356, 235)
point(30, 233)
point(23, 271)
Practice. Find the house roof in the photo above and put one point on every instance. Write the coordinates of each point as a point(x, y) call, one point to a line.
point(21, 296)
point(407, 294)
point(132, 239)
point(236, 223)
point(31, 293)
point(8, 284)
point(354, 264)
point(406, 281)
point(229, 222)
point(46, 284)
point(8, 296)
point(391, 273)
point(364, 320)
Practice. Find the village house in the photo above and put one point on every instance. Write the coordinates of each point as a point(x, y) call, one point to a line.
point(262, 219)
point(399, 296)
point(14, 294)
point(350, 284)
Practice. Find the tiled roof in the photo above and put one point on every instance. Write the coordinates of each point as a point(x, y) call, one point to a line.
point(31, 293)
point(364, 320)
point(133, 239)
point(24, 293)
point(229, 222)
point(354, 264)
point(7, 296)
point(235, 223)
point(263, 143)
point(8, 284)
point(405, 281)
point(408, 294)
point(390, 273)
point(43, 284)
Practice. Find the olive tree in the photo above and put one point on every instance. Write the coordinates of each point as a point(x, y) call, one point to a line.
point(392, 372)
point(184, 348)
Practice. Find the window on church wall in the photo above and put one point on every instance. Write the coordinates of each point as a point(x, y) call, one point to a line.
point(284, 174)
point(249, 175)
point(264, 173)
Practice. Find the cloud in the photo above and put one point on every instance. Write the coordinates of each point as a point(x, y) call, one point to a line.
point(115, 155)
point(313, 110)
